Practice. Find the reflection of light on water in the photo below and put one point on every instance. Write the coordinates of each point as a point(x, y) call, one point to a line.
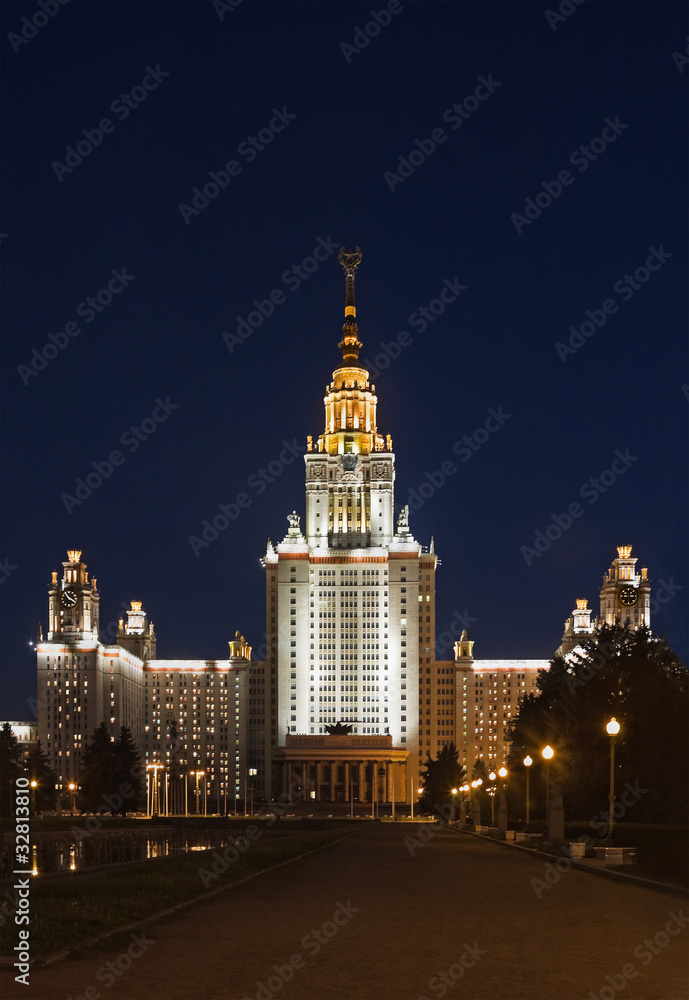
point(34, 859)
point(72, 859)
point(200, 847)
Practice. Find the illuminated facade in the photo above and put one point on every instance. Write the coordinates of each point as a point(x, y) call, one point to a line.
point(350, 626)
point(350, 599)
point(188, 715)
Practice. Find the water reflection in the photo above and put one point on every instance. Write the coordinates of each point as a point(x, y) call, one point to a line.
point(58, 853)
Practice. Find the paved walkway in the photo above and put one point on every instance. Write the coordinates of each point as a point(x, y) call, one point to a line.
point(366, 920)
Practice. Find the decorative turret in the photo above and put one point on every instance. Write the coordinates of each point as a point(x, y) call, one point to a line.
point(239, 647)
point(137, 635)
point(625, 596)
point(578, 627)
point(72, 602)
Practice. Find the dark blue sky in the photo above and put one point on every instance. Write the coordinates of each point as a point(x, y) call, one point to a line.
point(584, 116)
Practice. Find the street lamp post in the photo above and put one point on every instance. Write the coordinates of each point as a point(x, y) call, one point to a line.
point(527, 764)
point(155, 802)
point(491, 791)
point(454, 802)
point(548, 754)
point(72, 789)
point(613, 728)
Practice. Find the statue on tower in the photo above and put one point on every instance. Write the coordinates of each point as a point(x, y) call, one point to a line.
point(294, 521)
point(403, 518)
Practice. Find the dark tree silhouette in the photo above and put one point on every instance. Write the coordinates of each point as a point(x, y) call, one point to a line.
point(440, 777)
point(635, 677)
point(10, 768)
point(38, 769)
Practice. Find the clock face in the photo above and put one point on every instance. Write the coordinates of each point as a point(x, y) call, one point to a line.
point(68, 599)
point(628, 597)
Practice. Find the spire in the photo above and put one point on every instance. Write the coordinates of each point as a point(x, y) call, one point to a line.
point(350, 345)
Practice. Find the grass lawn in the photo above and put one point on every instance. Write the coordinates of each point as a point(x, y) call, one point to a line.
point(68, 909)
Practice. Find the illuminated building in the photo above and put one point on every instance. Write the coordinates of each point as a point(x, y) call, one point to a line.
point(349, 606)
point(350, 626)
point(189, 715)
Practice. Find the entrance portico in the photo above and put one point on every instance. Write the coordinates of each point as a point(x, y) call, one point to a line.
point(341, 769)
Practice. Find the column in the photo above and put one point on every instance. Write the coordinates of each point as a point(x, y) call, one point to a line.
point(319, 779)
point(288, 771)
point(346, 781)
point(362, 781)
point(332, 780)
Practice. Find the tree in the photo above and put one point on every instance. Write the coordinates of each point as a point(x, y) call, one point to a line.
point(440, 777)
point(38, 769)
point(110, 775)
point(634, 676)
point(10, 768)
point(98, 771)
point(128, 770)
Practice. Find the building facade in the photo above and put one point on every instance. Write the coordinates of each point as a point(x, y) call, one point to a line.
point(187, 717)
point(350, 626)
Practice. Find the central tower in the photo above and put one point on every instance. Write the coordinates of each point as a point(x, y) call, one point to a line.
point(349, 604)
point(349, 478)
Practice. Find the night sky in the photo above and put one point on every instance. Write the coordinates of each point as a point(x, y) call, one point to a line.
point(529, 166)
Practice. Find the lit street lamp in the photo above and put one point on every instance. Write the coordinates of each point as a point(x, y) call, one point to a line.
point(197, 775)
point(491, 791)
point(154, 803)
point(454, 802)
point(548, 754)
point(72, 788)
point(612, 728)
point(527, 764)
